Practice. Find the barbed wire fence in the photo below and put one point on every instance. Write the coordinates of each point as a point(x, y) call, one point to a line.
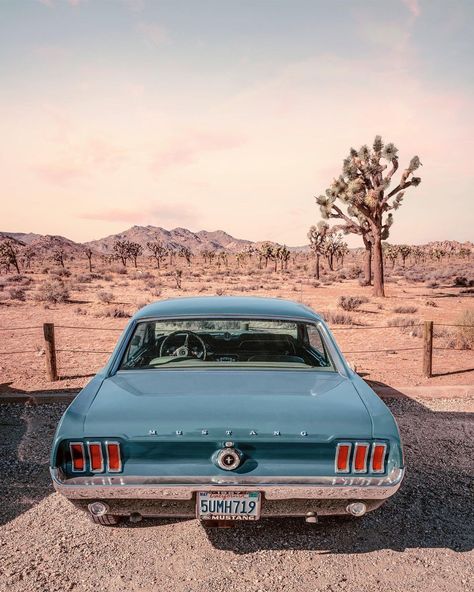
point(49, 331)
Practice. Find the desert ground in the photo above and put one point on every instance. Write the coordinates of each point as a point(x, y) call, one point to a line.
point(382, 337)
point(421, 539)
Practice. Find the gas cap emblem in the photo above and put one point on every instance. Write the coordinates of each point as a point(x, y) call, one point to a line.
point(228, 459)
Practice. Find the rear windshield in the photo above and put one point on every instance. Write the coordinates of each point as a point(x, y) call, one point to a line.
point(225, 342)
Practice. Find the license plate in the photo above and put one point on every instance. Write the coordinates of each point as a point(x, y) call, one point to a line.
point(228, 505)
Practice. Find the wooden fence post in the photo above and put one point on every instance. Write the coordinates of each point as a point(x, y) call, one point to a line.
point(428, 349)
point(50, 350)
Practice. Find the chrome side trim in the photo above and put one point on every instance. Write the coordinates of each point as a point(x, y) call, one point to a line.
point(183, 488)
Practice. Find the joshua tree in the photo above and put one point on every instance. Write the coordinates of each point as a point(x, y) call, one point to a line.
point(88, 253)
point(363, 187)
point(178, 274)
point(121, 251)
point(9, 256)
point(391, 252)
point(317, 240)
point(28, 254)
point(333, 245)
point(58, 256)
point(265, 252)
point(158, 251)
point(282, 255)
point(405, 252)
point(134, 251)
point(341, 252)
point(185, 253)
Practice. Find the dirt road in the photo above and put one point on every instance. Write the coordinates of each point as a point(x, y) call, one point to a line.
point(422, 539)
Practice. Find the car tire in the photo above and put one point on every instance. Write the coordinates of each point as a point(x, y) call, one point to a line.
point(106, 520)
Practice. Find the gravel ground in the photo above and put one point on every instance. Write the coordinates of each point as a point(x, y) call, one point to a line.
point(422, 539)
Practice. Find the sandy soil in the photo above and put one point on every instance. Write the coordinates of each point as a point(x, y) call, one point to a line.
point(388, 355)
point(422, 538)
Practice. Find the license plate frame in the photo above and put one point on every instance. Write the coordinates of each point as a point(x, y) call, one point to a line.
point(228, 505)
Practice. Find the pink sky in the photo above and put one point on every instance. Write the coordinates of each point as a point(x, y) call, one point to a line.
point(146, 132)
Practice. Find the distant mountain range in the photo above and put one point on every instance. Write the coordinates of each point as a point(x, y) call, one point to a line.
point(217, 240)
point(175, 238)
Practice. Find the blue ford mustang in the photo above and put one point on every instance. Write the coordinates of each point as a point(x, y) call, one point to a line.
point(227, 409)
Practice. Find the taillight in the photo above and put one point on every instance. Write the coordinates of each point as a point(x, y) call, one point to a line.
point(114, 460)
point(343, 453)
point(95, 457)
point(360, 457)
point(77, 456)
point(377, 463)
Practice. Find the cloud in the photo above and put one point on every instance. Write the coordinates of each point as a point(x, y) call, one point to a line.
point(190, 147)
point(160, 214)
point(51, 3)
point(413, 6)
point(153, 33)
point(80, 159)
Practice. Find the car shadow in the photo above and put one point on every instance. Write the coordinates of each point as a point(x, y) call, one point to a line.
point(432, 509)
point(25, 440)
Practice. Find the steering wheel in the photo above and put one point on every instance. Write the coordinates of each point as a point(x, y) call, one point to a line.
point(183, 351)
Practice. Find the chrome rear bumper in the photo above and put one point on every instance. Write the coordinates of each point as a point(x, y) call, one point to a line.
point(184, 488)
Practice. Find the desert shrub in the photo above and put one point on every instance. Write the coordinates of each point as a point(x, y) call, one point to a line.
point(119, 269)
point(464, 336)
point(405, 309)
point(53, 291)
point(350, 303)
point(84, 278)
point(17, 294)
point(104, 296)
point(140, 275)
point(407, 325)
point(19, 279)
point(117, 313)
point(432, 284)
point(363, 282)
point(461, 281)
point(337, 318)
point(108, 277)
point(142, 303)
point(156, 292)
point(220, 292)
point(354, 271)
point(314, 284)
point(60, 272)
point(45, 270)
point(431, 303)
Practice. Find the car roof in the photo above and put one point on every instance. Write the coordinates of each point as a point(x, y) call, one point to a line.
point(232, 306)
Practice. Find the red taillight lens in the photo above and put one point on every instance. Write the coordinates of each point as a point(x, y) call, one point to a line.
point(343, 453)
point(95, 456)
point(360, 458)
point(77, 456)
point(377, 464)
point(114, 460)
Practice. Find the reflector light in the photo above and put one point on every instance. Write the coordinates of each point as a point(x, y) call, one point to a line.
point(343, 453)
point(95, 457)
point(114, 461)
point(377, 464)
point(77, 456)
point(360, 457)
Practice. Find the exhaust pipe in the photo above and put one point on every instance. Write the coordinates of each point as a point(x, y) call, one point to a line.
point(357, 509)
point(135, 517)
